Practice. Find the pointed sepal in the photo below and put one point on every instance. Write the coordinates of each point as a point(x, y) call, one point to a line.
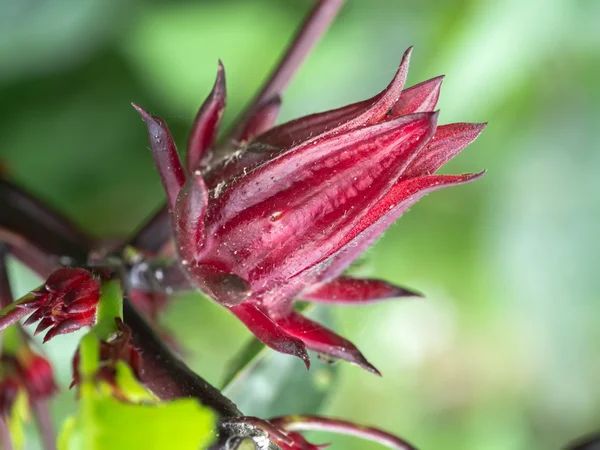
point(448, 141)
point(384, 103)
point(269, 332)
point(323, 340)
point(356, 291)
point(421, 97)
point(402, 196)
point(206, 124)
point(356, 115)
point(290, 212)
point(165, 155)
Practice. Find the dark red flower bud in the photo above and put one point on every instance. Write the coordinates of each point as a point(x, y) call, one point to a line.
point(66, 302)
point(9, 390)
point(25, 370)
point(285, 211)
point(37, 375)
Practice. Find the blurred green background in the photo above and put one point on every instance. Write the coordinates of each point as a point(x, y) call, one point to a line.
point(504, 351)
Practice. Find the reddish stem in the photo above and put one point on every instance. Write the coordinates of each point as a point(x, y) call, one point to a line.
point(5, 291)
point(165, 375)
point(6, 297)
point(154, 233)
point(44, 227)
point(22, 249)
point(5, 440)
point(45, 424)
point(315, 423)
point(12, 317)
point(314, 27)
point(40, 406)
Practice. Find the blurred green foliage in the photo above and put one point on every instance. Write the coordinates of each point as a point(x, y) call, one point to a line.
point(503, 353)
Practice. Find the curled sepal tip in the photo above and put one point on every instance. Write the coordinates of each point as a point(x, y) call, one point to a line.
point(164, 153)
point(321, 339)
point(207, 122)
point(356, 291)
point(384, 102)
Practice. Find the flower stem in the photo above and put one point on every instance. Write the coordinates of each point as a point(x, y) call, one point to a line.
point(5, 291)
point(40, 406)
point(45, 425)
point(165, 375)
point(315, 423)
point(44, 227)
point(5, 440)
point(9, 314)
point(314, 27)
point(110, 306)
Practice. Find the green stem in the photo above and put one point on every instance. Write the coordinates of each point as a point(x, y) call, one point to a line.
point(110, 307)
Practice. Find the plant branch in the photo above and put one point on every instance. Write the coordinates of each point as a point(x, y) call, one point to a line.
point(315, 423)
point(165, 375)
point(154, 233)
point(45, 424)
point(314, 27)
point(5, 440)
point(44, 227)
point(5, 291)
point(40, 406)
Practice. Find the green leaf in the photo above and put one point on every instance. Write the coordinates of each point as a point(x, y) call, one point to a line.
point(12, 339)
point(105, 423)
point(56, 33)
point(265, 383)
point(130, 386)
point(89, 355)
point(19, 415)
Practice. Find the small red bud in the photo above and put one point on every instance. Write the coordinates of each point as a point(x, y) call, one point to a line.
point(66, 302)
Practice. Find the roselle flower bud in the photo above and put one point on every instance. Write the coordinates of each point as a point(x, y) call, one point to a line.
point(119, 347)
point(36, 373)
point(28, 371)
point(9, 390)
point(286, 210)
point(66, 302)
